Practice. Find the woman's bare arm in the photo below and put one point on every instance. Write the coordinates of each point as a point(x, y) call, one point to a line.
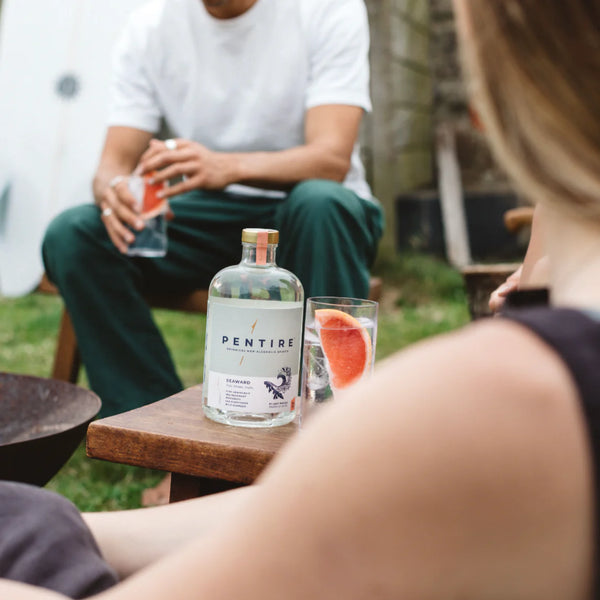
point(19, 591)
point(132, 539)
point(456, 472)
point(453, 473)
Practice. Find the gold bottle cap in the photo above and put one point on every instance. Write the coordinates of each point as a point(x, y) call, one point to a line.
point(250, 235)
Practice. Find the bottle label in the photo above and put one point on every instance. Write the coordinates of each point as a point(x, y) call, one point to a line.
point(253, 355)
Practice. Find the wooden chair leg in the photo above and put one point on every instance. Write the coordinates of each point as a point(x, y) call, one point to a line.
point(375, 288)
point(66, 358)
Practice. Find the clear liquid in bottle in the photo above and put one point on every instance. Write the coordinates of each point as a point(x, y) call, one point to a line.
point(253, 338)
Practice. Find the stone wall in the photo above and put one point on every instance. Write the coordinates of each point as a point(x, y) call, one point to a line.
point(417, 86)
point(478, 169)
point(397, 136)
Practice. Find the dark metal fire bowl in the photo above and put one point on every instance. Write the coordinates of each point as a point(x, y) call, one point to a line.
point(41, 423)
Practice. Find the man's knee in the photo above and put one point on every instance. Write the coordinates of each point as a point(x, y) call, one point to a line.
point(68, 234)
point(322, 198)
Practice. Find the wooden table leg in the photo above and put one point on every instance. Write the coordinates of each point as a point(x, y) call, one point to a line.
point(184, 487)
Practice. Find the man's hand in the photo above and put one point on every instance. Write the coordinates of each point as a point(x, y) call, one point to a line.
point(122, 150)
point(200, 167)
point(118, 211)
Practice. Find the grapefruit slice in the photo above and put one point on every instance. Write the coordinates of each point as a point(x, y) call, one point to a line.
point(346, 345)
point(153, 205)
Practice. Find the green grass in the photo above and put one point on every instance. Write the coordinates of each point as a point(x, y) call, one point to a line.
point(422, 297)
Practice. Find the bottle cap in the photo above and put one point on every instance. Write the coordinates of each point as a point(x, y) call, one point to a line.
point(251, 235)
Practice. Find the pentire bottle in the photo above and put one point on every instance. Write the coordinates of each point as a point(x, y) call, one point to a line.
point(253, 338)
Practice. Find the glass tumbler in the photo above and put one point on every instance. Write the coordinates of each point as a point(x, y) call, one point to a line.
point(339, 347)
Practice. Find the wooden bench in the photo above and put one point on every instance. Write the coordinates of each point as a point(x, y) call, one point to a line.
point(67, 361)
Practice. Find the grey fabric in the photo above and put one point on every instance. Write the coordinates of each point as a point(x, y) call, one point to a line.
point(45, 542)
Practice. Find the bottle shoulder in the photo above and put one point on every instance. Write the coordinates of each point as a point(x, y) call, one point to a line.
point(250, 282)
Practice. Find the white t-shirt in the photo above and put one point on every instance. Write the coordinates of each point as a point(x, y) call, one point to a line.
point(242, 84)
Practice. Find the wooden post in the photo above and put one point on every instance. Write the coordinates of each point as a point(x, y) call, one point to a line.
point(451, 198)
point(380, 128)
point(396, 135)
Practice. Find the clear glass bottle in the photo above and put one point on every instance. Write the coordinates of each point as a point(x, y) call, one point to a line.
point(253, 338)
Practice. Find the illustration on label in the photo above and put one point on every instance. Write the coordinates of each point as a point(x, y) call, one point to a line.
point(286, 381)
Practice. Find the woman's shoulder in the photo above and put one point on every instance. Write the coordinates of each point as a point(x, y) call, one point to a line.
point(511, 354)
point(489, 380)
point(464, 453)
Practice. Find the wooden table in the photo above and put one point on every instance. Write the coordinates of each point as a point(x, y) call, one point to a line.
point(174, 435)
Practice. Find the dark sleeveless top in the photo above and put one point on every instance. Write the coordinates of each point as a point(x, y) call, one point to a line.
point(575, 336)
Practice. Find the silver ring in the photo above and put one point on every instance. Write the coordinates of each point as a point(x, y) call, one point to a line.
point(171, 144)
point(107, 212)
point(115, 181)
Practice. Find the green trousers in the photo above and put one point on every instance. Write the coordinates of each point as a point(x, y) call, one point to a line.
point(328, 238)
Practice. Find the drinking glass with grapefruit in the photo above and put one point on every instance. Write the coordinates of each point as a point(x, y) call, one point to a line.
point(339, 346)
point(152, 240)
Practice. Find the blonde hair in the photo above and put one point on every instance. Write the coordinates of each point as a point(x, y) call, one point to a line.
point(535, 78)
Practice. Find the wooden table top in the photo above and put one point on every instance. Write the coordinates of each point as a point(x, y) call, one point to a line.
point(174, 435)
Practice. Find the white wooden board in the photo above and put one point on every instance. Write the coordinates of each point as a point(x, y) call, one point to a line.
point(55, 64)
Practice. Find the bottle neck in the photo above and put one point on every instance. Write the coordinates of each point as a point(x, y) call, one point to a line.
point(251, 257)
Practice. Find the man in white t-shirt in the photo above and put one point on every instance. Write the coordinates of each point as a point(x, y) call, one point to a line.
point(264, 99)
